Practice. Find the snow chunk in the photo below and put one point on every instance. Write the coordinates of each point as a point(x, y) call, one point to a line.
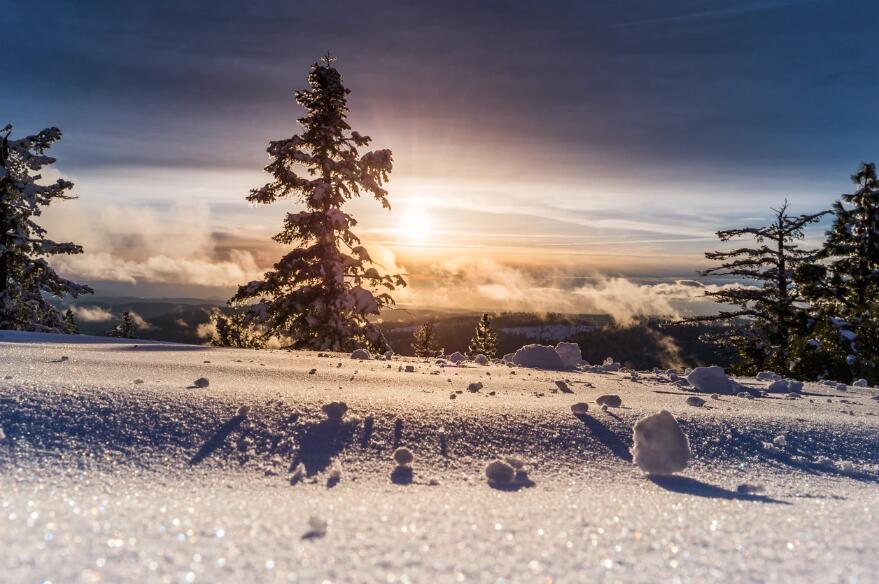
point(538, 357)
point(201, 382)
point(563, 386)
point(456, 357)
point(474, 387)
point(403, 456)
point(694, 400)
point(481, 360)
point(580, 408)
point(768, 376)
point(660, 445)
point(500, 472)
point(361, 354)
point(711, 380)
point(861, 383)
point(569, 353)
point(611, 401)
point(335, 411)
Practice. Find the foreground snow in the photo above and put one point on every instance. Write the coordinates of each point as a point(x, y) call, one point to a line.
point(116, 467)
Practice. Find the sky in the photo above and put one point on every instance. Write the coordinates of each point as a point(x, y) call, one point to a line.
point(539, 147)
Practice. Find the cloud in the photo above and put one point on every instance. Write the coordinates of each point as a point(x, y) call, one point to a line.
point(91, 313)
point(482, 283)
point(139, 243)
point(140, 322)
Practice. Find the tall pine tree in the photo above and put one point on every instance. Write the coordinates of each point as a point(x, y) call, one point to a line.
point(26, 278)
point(425, 342)
point(773, 310)
point(484, 341)
point(323, 292)
point(845, 285)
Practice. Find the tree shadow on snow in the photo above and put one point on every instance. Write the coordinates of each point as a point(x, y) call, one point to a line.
point(321, 442)
point(695, 487)
point(606, 436)
point(217, 438)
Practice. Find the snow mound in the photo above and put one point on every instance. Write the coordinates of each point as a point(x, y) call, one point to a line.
point(481, 360)
point(456, 358)
point(711, 380)
point(362, 354)
point(861, 383)
point(539, 357)
point(785, 386)
point(569, 353)
point(660, 445)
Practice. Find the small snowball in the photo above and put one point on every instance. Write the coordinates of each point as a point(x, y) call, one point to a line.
point(403, 456)
point(335, 411)
point(474, 387)
point(500, 472)
point(361, 354)
point(780, 441)
point(456, 358)
point(660, 445)
point(579, 408)
point(481, 360)
point(611, 401)
point(201, 382)
point(317, 527)
point(695, 401)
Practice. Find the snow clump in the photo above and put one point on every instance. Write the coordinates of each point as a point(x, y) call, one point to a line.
point(580, 408)
point(569, 353)
point(201, 382)
point(361, 354)
point(660, 445)
point(403, 456)
point(539, 357)
point(768, 376)
point(861, 383)
point(456, 358)
point(711, 380)
point(335, 411)
point(611, 401)
point(500, 472)
point(481, 360)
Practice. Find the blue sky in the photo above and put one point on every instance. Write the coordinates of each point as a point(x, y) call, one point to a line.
point(566, 139)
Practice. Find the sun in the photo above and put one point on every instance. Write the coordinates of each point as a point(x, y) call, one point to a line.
point(416, 224)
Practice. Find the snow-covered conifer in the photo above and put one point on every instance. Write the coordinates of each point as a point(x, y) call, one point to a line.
point(322, 294)
point(484, 341)
point(773, 310)
point(844, 286)
point(233, 331)
point(125, 329)
point(70, 326)
point(26, 278)
point(425, 342)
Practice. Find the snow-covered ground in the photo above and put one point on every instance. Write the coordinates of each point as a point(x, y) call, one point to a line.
point(114, 467)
